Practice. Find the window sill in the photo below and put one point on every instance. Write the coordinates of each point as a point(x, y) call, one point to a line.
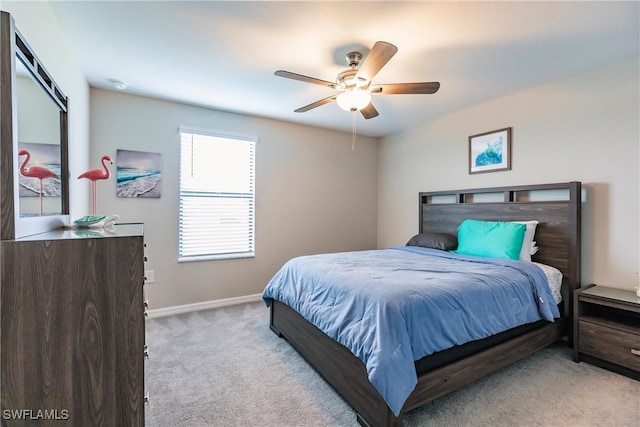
point(215, 257)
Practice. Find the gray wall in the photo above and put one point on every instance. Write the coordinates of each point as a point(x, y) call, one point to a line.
point(313, 193)
point(584, 128)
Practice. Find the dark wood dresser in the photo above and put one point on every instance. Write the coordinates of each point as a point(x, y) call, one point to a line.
point(72, 336)
point(607, 329)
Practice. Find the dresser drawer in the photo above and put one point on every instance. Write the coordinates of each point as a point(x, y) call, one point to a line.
point(610, 344)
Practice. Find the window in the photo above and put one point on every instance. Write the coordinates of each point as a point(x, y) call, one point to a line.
point(216, 197)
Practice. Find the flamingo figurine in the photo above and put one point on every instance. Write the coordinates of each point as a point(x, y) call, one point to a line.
point(35, 172)
point(96, 174)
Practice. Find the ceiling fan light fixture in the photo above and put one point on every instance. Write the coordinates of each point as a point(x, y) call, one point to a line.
point(353, 99)
point(355, 84)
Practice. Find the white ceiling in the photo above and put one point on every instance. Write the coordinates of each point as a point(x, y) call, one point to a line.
point(222, 54)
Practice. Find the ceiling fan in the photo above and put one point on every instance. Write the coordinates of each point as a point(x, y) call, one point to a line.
point(355, 83)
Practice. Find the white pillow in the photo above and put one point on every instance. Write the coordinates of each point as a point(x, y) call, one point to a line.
point(528, 245)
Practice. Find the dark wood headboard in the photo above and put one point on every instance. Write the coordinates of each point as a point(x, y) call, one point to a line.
point(555, 206)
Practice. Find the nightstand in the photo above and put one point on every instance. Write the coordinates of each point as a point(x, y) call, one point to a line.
point(606, 329)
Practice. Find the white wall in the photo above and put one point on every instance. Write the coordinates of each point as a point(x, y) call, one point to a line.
point(585, 128)
point(39, 26)
point(313, 194)
point(36, 107)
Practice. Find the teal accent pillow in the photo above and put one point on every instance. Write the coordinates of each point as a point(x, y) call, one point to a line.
point(490, 239)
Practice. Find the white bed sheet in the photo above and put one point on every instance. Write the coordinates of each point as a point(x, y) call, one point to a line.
point(555, 280)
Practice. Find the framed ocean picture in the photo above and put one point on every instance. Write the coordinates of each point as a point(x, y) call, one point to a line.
point(42, 156)
point(490, 151)
point(138, 174)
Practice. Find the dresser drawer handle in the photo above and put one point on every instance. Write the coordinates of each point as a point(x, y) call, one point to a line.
point(636, 352)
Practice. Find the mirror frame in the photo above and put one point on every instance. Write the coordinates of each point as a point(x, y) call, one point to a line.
point(12, 46)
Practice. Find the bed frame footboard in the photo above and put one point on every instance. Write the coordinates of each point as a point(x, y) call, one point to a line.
point(442, 381)
point(348, 375)
point(339, 367)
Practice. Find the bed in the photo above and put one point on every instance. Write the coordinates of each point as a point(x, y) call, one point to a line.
point(556, 207)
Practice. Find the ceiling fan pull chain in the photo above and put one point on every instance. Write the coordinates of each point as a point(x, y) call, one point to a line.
point(353, 136)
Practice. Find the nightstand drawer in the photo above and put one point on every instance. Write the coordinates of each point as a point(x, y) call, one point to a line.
point(610, 344)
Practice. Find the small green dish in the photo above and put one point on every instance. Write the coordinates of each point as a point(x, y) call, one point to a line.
point(89, 219)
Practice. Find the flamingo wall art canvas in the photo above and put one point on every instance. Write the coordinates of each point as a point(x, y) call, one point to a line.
point(138, 174)
point(39, 185)
point(44, 156)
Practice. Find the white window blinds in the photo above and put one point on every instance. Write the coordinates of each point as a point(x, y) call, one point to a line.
point(216, 197)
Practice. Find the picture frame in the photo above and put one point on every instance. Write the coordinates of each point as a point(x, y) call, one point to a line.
point(490, 151)
point(138, 174)
point(42, 155)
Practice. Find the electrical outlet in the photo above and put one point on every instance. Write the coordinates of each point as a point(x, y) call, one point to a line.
point(149, 276)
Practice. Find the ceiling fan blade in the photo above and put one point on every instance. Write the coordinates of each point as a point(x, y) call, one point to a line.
point(316, 104)
point(307, 79)
point(406, 88)
point(380, 54)
point(369, 112)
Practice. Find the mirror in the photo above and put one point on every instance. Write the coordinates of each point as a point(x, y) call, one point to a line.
point(33, 149)
point(39, 181)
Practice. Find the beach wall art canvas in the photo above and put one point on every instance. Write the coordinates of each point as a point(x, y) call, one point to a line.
point(138, 174)
point(490, 151)
point(43, 156)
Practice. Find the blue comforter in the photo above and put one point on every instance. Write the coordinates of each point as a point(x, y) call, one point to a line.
point(393, 306)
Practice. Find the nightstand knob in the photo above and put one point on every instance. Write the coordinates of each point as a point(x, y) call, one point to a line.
point(146, 352)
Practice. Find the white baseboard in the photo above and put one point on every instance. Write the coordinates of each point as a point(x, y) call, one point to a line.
point(205, 305)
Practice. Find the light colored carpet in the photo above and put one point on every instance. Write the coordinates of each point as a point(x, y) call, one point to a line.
point(224, 367)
